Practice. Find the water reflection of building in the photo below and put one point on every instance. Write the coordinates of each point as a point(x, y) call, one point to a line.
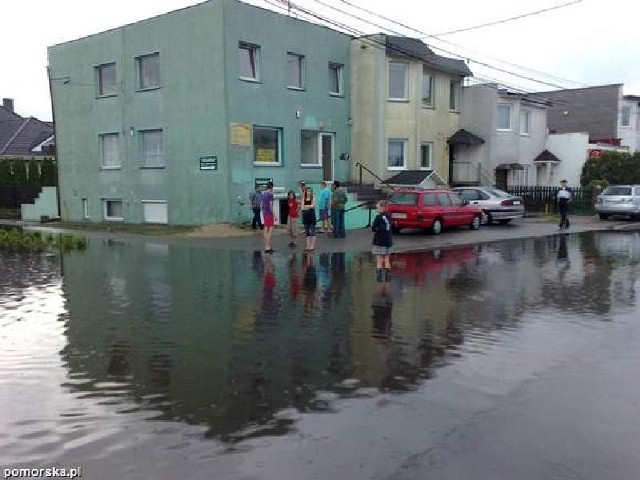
point(200, 335)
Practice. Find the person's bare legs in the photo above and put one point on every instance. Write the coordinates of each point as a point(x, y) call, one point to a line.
point(387, 262)
point(268, 231)
point(313, 242)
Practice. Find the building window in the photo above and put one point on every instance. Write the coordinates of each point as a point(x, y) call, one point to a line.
point(148, 71)
point(266, 146)
point(85, 208)
point(426, 149)
point(155, 211)
point(113, 210)
point(309, 150)
point(525, 122)
point(396, 154)
point(152, 148)
point(107, 85)
point(295, 71)
point(427, 88)
point(454, 94)
point(398, 81)
point(109, 151)
point(335, 79)
point(626, 116)
point(248, 61)
point(504, 117)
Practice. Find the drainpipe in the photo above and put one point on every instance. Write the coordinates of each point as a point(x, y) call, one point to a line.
point(55, 143)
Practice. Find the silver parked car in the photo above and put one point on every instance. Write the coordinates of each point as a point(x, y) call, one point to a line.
point(619, 200)
point(498, 205)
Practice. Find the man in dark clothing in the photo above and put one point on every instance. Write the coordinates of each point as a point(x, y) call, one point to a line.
point(564, 198)
point(256, 202)
point(338, 202)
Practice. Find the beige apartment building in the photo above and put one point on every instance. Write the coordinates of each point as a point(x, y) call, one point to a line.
point(405, 106)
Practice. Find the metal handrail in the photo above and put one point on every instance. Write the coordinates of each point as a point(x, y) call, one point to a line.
point(361, 166)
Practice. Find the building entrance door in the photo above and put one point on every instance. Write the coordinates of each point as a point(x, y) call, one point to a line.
point(326, 155)
point(501, 178)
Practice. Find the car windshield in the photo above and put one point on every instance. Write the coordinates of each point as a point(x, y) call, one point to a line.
point(613, 190)
point(404, 198)
point(496, 192)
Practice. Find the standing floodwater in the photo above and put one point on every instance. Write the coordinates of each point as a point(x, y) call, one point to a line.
point(153, 360)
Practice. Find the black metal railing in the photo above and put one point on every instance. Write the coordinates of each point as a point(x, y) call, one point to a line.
point(543, 199)
point(373, 174)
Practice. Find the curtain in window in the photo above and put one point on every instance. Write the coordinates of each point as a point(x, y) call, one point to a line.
point(110, 153)
point(152, 149)
point(107, 79)
point(504, 117)
point(397, 80)
point(396, 154)
point(150, 71)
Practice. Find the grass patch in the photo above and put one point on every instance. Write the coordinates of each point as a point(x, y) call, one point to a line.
point(16, 239)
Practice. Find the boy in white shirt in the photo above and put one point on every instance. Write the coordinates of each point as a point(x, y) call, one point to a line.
point(564, 198)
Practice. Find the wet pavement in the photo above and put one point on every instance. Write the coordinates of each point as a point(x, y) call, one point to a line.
point(165, 358)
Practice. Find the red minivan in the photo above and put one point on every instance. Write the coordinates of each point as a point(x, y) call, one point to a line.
point(432, 210)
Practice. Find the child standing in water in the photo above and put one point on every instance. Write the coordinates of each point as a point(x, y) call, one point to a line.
point(382, 242)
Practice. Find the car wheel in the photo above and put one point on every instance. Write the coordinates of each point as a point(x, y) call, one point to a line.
point(475, 223)
point(504, 222)
point(603, 216)
point(436, 228)
point(489, 219)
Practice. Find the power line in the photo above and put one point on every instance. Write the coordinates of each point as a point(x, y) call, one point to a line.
point(426, 35)
point(505, 20)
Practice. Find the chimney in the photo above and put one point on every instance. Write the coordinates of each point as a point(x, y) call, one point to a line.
point(8, 103)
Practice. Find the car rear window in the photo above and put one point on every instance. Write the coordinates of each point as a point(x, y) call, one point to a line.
point(404, 198)
point(429, 199)
point(617, 191)
point(499, 193)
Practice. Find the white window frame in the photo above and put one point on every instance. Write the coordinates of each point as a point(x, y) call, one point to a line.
point(498, 127)
point(455, 94)
point(85, 208)
point(102, 138)
point(105, 209)
point(254, 56)
point(404, 98)
point(627, 109)
point(525, 122)
point(161, 155)
point(429, 145)
point(299, 60)
point(278, 130)
point(140, 62)
point(336, 72)
point(147, 202)
point(109, 90)
point(432, 80)
point(404, 154)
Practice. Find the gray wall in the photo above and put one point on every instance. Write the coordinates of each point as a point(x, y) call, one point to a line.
point(593, 110)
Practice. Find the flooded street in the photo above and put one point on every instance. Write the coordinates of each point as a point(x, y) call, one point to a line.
point(510, 360)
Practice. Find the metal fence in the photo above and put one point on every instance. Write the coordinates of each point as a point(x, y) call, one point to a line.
point(543, 199)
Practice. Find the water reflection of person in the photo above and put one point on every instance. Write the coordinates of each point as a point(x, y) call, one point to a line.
point(294, 278)
point(381, 306)
point(562, 258)
point(309, 282)
point(269, 286)
point(257, 265)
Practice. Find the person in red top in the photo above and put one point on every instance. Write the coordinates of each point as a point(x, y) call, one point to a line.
point(292, 217)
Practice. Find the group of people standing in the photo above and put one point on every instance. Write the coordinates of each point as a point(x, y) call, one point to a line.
point(330, 206)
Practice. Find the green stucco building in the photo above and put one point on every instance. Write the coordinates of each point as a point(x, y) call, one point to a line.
point(175, 118)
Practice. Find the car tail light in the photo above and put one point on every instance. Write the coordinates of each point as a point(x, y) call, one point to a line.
point(506, 202)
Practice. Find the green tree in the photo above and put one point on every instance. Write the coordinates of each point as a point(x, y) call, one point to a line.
point(612, 167)
point(19, 172)
point(48, 173)
point(6, 178)
point(33, 173)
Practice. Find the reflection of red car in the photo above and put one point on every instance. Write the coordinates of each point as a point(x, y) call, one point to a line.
point(436, 265)
point(431, 209)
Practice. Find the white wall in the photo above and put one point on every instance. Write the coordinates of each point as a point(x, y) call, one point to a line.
point(630, 136)
point(572, 150)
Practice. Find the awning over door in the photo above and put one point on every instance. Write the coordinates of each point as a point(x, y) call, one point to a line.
point(464, 137)
point(510, 166)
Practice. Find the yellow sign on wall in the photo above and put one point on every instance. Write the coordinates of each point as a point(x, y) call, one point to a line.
point(240, 135)
point(267, 155)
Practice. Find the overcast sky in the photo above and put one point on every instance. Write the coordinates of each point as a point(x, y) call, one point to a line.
point(592, 42)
